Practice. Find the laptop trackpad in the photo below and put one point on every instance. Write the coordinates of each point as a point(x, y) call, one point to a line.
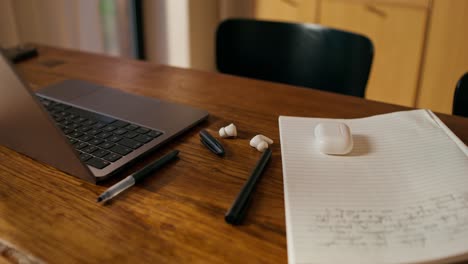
point(144, 111)
point(117, 103)
point(132, 108)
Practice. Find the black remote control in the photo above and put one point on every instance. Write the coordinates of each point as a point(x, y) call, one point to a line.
point(20, 52)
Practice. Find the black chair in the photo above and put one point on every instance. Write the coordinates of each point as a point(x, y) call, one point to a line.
point(299, 54)
point(460, 97)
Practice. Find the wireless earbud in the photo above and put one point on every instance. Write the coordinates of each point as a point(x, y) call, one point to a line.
point(228, 131)
point(261, 142)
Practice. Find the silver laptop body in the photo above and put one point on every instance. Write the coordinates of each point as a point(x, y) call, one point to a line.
point(33, 124)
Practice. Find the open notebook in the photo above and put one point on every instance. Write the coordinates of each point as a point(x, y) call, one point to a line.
point(400, 196)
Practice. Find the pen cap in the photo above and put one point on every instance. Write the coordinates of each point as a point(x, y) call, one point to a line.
point(211, 143)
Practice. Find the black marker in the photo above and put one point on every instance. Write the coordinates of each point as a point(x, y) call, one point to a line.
point(235, 215)
point(136, 177)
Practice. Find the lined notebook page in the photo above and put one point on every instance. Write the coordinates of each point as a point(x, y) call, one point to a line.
point(400, 196)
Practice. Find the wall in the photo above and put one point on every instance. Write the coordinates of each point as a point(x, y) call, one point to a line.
point(203, 21)
point(8, 32)
point(166, 32)
point(177, 32)
point(71, 24)
point(182, 32)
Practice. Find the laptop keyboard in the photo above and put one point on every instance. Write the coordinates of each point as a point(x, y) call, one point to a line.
point(99, 139)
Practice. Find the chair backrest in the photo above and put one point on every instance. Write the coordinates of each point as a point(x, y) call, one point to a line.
point(460, 97)
point(300, 54)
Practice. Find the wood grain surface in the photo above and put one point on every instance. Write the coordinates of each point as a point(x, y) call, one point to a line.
point(175, 216)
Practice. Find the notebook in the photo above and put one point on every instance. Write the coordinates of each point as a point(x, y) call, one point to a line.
point(400, 196)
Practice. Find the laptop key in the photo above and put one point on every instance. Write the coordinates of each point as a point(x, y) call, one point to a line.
point(142, 130)
point(72, 116)
point(95, 141)
point(114, 139)
point(154, 133)
point(45, 102)
point(74, 126)
point(49, 104)
point(97, 163)
point(112, 157)
point(119, 123)
point(100, 153)
point(93, 132)
point(143, 138)
point(105, 135)
point(130, 143)
point(84, 128)
point(68, 130)
point(85, 157)
point(89, 122)
point(80, 119)
point(121, 150)
point(89, 149)
point(131, 127)
point(58, 118)
point(85, 138)
point(81, 145)
point(58, 107)
point(109, 128)
point(75, 134)
point(66, 122)
point(131, 134)
point(107, 145)
point(99, 125)
point(91, 115)
point(120, 131)
point(62, 113)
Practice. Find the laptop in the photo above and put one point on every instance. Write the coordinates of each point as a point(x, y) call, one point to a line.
point(87, 130)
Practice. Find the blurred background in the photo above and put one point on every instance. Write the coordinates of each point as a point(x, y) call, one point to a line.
point(420, 45)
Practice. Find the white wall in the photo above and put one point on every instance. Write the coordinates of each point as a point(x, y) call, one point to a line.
point(177, 32)
point(182, 32)
point(166, 24)
point(8, 31)
point(74, 24)
point(52, 22)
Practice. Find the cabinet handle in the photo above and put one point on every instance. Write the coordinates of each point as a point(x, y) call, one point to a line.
point(376, 11)
point(291, 2)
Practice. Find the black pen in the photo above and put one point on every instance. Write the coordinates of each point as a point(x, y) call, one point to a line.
point(136, 177)
point(235, 215)
point(211, 143)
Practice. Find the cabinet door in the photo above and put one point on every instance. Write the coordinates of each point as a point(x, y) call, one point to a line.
point(397, 30)
point(301, 11)
point(446, 55)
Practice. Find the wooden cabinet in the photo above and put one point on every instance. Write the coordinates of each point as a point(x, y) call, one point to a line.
point(397, 31)
point(446, 57)
point(302, 11)
point(420, 45)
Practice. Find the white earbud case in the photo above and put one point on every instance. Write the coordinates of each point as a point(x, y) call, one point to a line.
point(333, 138)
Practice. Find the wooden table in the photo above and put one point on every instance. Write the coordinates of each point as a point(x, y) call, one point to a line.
point(177, 215)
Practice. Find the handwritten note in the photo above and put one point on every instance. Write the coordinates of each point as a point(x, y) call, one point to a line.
point(401, 195)
point(410, 227)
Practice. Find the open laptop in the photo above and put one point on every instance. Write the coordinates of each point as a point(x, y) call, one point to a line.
point(87, 130)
